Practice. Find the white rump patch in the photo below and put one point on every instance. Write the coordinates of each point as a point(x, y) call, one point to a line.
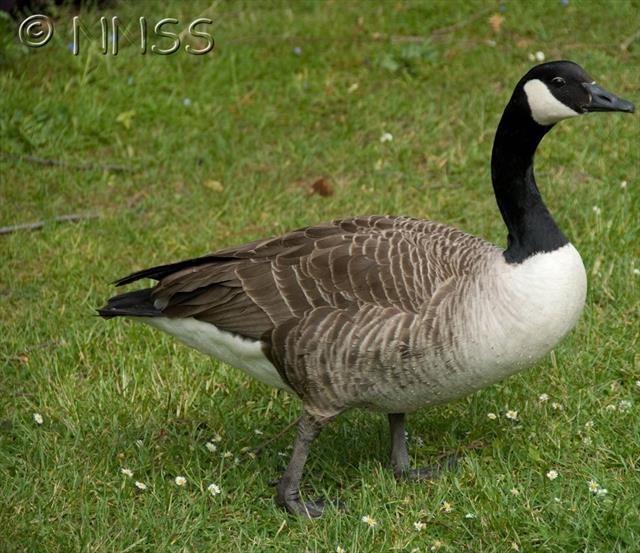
point(546, 109)
point(242, 353)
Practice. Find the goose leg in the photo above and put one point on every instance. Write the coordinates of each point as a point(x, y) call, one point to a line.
point(400, 455)
point(287, 489)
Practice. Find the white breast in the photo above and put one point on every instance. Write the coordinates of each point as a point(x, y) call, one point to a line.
point(526, 311)
point(242, 353)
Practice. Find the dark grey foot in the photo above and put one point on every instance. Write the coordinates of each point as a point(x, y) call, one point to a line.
point(309, 509)
point(430, 472)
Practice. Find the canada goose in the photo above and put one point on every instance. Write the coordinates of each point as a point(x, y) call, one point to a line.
point(390, 313)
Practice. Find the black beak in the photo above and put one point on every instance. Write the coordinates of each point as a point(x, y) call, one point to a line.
point(602, 100)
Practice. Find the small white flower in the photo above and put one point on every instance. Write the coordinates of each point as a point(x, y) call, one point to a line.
point(623, 184)
point(216, 438)
point(437, 544)
point(610, 407)
point(469, 515)
point(556, 406)
point(636, 272)
point(539, 55)
point(227, 454)
point(543, 397)
point(515, 546)
point(340, 549)
point(180, 480)
point(515, 492)
point(447, 507)
point(602, 491)
point(638, 381)
point(38, 418)
point(126, 472)
point(557, 499)
point(588, 424)
point(587, 440)
point(386, 137)
point(593, 486)
point(511, 415)
point(596, 210)
point(419, 525)
point(258, 432)
point(552, 474)
point(624, 405)
point(141, 485)
point(211, 447)
point(369, 520)
point(213, 489)
point(492, 416)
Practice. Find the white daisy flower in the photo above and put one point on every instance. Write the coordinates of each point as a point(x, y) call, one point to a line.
point(511, 415)
point(597, 210)
point(588, 424)
point(126, 472)
point(141, 485)
point(552, 474)
point(587, 440)
point(227, 454)
point(539, 56)
point(216, 438)
point(543, 397)
point(386, 137)
point(437, 544)
point(38, 418)
point(492, 416)
point(419, 525)
point(340, 549)
point(214, 489)
point(593, 486)
point(515, 546)
point(624, 405)
point(556, 406)
point(636, 272)
point(180, 480)
point(469, 515)
point(515, 492)
point(369, 520)
point(623, 184)
point(211, 447)
point(447, 507)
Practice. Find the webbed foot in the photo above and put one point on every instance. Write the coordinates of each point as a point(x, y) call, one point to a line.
point(430, 472)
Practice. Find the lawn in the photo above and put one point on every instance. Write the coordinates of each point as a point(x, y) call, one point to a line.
point(224, 148)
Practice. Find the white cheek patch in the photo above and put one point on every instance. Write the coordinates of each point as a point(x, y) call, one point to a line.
point(546, 109)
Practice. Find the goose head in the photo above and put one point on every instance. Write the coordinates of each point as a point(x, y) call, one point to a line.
point(561, 89)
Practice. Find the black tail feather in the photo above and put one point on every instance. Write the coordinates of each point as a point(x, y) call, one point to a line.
point(130, 304)
point(161, 271)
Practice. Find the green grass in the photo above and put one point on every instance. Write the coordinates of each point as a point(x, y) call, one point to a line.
point(266, 123)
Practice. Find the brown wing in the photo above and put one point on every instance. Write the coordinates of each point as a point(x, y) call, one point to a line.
point(252, 289)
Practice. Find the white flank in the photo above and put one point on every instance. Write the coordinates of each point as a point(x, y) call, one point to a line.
point(242, 353)
point(546, 109)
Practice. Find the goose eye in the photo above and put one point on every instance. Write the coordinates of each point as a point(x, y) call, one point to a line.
point(558, 82)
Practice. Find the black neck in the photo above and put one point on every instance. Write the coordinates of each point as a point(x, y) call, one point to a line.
point(531, 226)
